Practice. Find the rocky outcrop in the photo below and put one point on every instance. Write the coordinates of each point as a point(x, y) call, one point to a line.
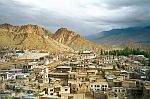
point(29, 36)
point(74, 40)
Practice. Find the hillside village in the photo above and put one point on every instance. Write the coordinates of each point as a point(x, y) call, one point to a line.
point(34, 74)
point(75, 49)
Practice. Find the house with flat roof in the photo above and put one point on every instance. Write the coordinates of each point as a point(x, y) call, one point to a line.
point(99, 85)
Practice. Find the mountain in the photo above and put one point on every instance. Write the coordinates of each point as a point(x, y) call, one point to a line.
point(136, 37)
point(114, 36)
point(135, 45)
point(29, 36)
point(36, 37)
point(74, 40)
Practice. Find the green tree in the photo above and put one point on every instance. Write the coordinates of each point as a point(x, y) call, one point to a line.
point(103, 72)
point(149, 60)
point(127, 51)
point(101, 51)
point(94, 62)
point(114, 67)
point(106, 52)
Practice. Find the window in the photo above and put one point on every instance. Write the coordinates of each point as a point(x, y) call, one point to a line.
point(95, 85)
point(98, 85)
point(70, 97)
point(105, 85)
point(91, 85)
point(51, 89)
point(66, 89)
point(102, 85)
point(115, 90)
point(51, 94)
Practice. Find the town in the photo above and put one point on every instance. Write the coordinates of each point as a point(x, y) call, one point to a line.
point(33, 74)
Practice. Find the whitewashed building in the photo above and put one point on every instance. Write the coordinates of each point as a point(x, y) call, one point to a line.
point(95, 86)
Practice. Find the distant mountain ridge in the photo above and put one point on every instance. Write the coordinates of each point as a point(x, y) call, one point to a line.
point(133, 37)
point(115, 36)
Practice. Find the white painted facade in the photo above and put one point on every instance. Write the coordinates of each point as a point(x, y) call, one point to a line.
point(99, 86)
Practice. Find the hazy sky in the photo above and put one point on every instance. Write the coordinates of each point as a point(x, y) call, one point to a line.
point(83, 16)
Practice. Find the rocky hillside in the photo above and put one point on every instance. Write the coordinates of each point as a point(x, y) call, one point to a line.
point(30, 29)
point(29, 36)
point(74, 40)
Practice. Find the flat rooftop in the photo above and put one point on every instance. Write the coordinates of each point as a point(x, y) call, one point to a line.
point(30, 56)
